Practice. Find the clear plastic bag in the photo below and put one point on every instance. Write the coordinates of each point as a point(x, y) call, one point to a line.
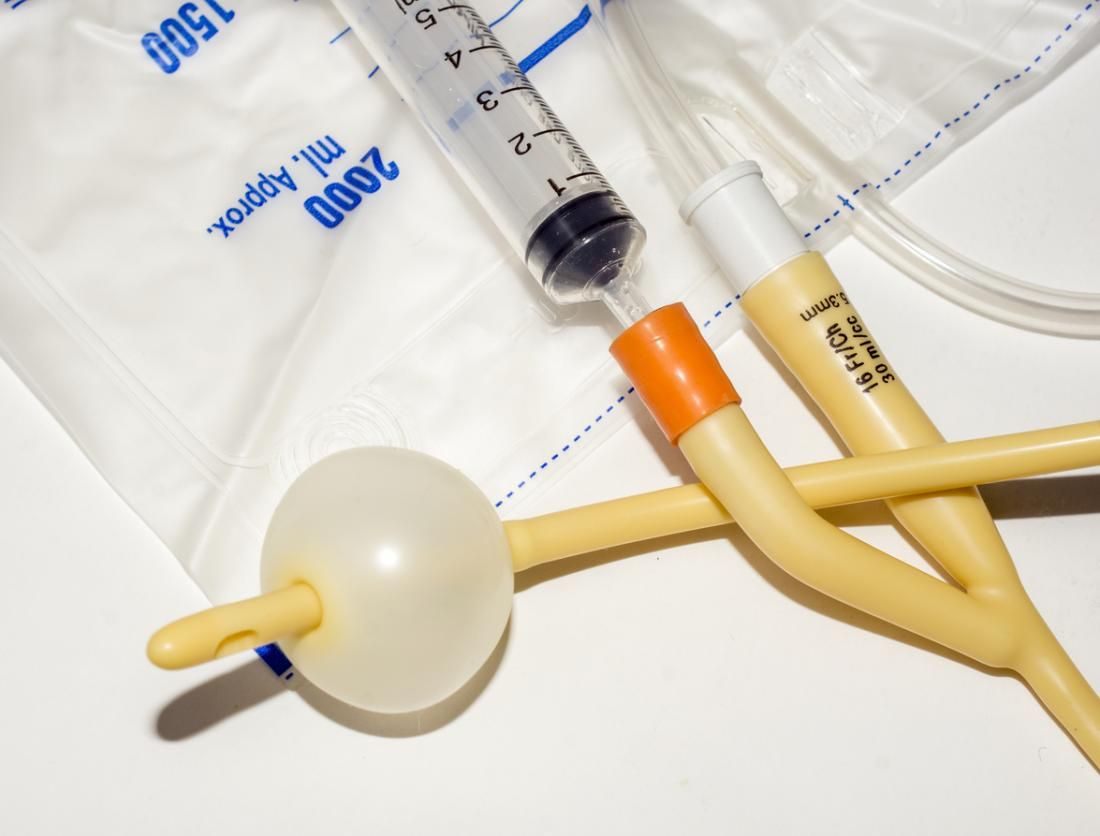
point(844, 104)
point(227, 250)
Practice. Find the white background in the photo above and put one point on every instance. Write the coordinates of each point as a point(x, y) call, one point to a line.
point(682, 687)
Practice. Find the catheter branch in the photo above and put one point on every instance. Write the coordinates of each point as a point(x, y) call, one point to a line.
point(991, 619)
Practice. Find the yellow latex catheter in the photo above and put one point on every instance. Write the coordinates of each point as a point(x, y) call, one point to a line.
point(794, 300)
point(923, 470)
point(991, 619)
point(990, 625)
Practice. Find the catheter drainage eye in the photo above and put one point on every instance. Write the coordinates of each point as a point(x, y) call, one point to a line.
point(412, 569)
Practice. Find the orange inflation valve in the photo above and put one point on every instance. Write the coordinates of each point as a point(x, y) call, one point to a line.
point(673, 369)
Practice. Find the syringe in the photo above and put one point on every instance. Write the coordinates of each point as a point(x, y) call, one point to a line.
point(572, 230)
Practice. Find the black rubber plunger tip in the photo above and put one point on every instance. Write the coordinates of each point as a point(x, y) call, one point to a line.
point(573, 248)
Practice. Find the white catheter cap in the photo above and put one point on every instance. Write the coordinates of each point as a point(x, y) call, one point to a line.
point(744, 227)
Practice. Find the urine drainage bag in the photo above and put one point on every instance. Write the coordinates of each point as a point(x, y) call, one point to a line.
point(227, 249)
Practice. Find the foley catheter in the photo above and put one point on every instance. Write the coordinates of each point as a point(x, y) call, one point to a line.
point(421, 635)
point(355, 528)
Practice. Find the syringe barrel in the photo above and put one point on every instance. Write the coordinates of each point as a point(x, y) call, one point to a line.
point(551, 202)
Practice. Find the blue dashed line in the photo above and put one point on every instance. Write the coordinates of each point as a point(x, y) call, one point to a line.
point(846, 202)
point(607, 411)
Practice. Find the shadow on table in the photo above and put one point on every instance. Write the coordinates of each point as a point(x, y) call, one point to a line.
point(242, 688)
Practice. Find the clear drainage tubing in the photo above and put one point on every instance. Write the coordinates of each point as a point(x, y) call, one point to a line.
point(693, 159)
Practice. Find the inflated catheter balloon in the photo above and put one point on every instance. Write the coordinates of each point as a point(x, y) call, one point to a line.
point(388, 573)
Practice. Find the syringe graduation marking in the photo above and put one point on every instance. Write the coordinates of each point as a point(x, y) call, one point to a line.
point(480, 30)
point(473, 35)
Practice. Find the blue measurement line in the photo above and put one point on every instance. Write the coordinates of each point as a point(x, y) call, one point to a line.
point(556, 40)
point(508, 13)
point(14, 5)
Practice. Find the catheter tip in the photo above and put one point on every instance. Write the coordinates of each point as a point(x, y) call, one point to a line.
point(232, 628)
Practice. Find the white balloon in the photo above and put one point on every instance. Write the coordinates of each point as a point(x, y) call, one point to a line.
point(411, 564)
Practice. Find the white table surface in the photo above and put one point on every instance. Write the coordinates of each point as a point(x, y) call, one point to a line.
point(688, 687)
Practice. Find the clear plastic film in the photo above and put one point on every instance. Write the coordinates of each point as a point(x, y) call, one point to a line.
point(228, 249)
point(844, 105)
